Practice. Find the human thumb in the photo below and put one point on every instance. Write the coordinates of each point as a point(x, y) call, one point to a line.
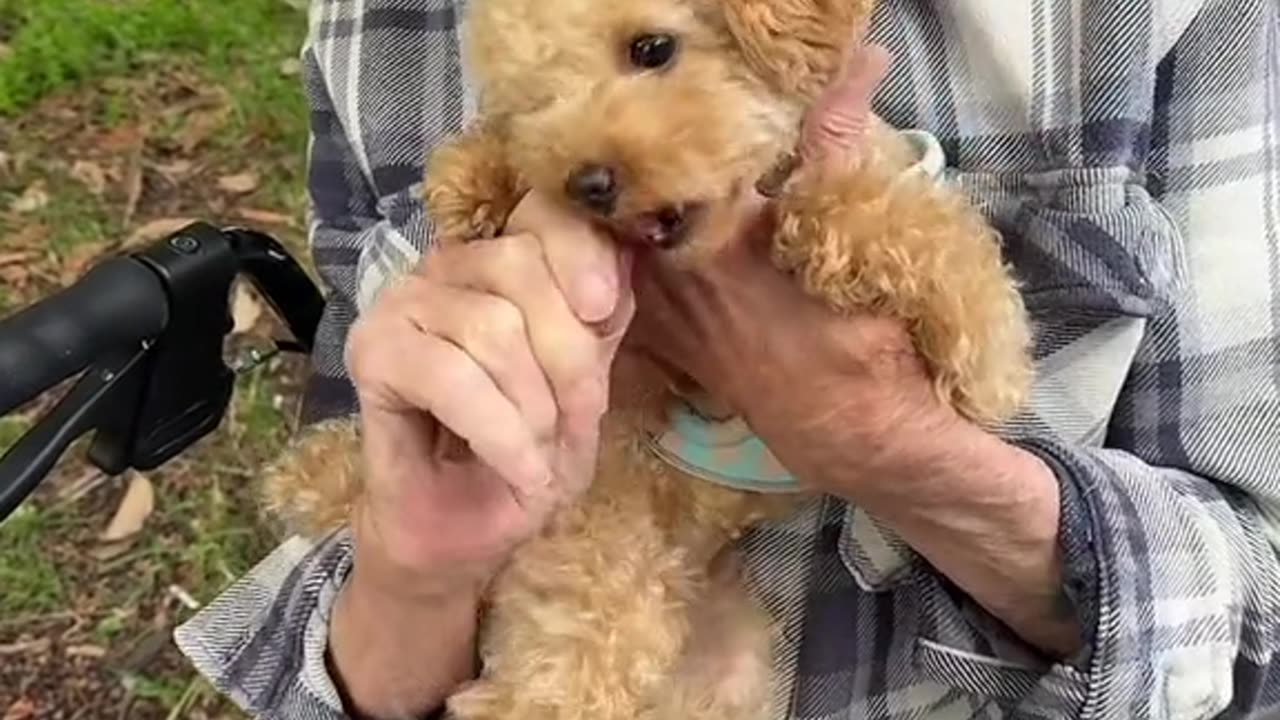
point(578, 445)
point(841, 115)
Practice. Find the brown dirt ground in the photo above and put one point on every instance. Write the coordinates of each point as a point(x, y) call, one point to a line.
point(104, 651)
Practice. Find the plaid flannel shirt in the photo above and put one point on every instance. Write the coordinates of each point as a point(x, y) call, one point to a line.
point(1129, 152)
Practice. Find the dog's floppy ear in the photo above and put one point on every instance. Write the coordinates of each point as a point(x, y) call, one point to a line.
point(796, 45)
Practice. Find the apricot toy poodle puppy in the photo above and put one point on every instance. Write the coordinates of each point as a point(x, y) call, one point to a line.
point(646, 116)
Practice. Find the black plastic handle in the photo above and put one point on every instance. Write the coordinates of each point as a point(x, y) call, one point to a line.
point(118, 303)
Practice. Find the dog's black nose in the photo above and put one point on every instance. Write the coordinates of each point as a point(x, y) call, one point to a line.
point(595, 186)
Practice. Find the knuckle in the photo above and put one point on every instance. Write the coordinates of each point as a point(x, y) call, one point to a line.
point(440, 261)
point(499, 326)
point(449, 370)
point(544, 415)
point(362, 352)
point(373, 342)
point(511, 256)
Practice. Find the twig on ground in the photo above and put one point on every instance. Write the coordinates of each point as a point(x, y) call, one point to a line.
point(184, 597)
point(30, 619)
point(23, 647)
point(86, 483)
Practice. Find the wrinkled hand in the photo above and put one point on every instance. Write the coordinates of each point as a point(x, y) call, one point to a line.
point(814, 385)
point(482, 378)
point(846, 404)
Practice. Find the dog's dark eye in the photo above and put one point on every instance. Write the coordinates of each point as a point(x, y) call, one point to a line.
point(652, 51)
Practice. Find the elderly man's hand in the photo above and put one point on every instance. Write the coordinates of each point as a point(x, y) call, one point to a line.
point(750, 335)
point(847, 405)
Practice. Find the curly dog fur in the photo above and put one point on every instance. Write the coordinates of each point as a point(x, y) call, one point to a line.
point(596, 617)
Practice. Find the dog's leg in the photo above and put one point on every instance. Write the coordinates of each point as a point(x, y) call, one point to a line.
point(726, 666)
point(584, 622)
point(864, 237)
point(311, 487)
point(470, 189)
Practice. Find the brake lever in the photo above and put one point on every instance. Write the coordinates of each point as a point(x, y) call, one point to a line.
point(81, 410)
point(154, 398)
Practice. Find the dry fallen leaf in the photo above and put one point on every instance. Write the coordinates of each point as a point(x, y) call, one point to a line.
point(200, 125)
point(19, 162)
point(133, 187)
point(91, 175)
point(17, 258)
point(110, 551)
point(240, 184)
point(245, 309)
point(145, 650)
point(30, 237)
point(32, 199)
point(137, 505)
point(85, 483)
point(266, 217)
point(174, 171)
point(26, 647)
point(15, 277)
point(76, 262)
point(21, 709)
point(156, 230)
point(87, 651)
point(126, 138)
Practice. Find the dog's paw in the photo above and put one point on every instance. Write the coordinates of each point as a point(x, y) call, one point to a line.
point(469, 187)
point(312, 486)
point(864, 237)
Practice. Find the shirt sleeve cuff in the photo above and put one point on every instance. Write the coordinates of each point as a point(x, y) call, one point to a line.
point(262, 642)
point(1080, 573)
point(1128, 533)
point(964, 646)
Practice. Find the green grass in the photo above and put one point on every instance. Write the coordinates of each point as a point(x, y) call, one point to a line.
point(30, 580)
point(10, 430)
point(166, 692)
point(110, 626)
point(75, 219)
point(56, 43)
point(235, 46)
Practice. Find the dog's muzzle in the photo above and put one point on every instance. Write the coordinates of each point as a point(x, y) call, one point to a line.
point(666, 228)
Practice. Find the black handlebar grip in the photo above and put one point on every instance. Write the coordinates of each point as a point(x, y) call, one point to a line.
point(116, 304)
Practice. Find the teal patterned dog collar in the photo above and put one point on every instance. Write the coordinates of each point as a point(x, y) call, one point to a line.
point(723, 452)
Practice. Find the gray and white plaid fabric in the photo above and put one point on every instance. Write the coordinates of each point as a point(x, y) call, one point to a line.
point(1129, 151)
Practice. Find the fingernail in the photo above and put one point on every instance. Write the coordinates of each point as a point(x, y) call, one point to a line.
point(595, 295)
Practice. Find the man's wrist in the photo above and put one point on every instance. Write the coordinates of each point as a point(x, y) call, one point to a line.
point(395, 655)
point(986, 514)
point(402, 575)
